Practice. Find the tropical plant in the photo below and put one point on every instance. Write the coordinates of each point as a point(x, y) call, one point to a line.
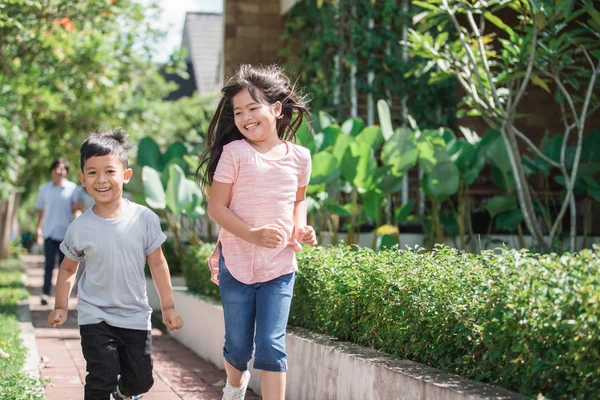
point(553, 44)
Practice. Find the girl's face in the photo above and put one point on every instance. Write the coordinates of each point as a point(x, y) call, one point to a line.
point(255, 120)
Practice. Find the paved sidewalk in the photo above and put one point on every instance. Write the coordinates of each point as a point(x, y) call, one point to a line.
point(178, 372)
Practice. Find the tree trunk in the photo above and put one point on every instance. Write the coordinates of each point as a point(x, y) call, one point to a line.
point(522, 188)
point(7, 214)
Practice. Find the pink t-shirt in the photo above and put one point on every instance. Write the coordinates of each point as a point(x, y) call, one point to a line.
point(263, 192)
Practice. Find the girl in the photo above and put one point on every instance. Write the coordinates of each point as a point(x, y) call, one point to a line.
point(257, 181)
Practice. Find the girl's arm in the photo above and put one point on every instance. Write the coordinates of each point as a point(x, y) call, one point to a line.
point(218, 210)
point(302, 232)
point(300, 209)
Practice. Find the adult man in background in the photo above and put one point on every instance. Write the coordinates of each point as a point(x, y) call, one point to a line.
point(57, 204)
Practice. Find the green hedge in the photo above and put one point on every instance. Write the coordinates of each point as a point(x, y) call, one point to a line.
point(526, 322)
point(14, 384)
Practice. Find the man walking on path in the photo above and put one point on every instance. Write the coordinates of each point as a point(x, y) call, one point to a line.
point(57, 204)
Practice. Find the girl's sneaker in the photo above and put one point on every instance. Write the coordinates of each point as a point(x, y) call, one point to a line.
point(231, 393)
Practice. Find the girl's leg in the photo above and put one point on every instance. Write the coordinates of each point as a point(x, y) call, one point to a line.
point(234, 375)
point(238, 301)
point(272, 385)
point(273, 301)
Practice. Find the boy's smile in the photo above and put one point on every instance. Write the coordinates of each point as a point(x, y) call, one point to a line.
point(103, 177)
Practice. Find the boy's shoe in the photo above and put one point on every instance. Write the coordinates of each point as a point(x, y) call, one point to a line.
point(117, 396)
point(44, 300)
point(231, 393)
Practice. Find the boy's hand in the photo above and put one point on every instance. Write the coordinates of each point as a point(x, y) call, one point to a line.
point(172, 319)
point(306, 235)
point(267, 236)
point(57, 317)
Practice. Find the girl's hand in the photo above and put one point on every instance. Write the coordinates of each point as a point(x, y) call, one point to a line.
point(171, 319)
point(269, 236)
point(306, 235)
point(57, 317)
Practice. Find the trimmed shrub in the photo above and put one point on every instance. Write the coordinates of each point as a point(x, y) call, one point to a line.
point(196, 273)
point(526, 322)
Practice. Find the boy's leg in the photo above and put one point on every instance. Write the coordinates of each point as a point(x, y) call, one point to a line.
point(50, 251)
point(100, 349)
point(135, 355)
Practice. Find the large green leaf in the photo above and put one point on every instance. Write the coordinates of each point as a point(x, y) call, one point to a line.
point(498, 155)
point(340, 147)
point(509, 220)
point(371, 136)
point(325, 169)
point(149, 154)
point(591, 146)
point(504, 180)
point(359, 165)
point(153, 188)
point(444, 179)
point(178, 196)
point(330, 135)
point(195, 208)
point(135, 184)
point(353, 126)
point(500, 204)
point(176, 150)
point(389, 183)
point(403, 212)
point(385, 119)
point(400, 152)
point(372, 204)
point(322, 121)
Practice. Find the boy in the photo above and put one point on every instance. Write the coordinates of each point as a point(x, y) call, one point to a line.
point(57, 205)
point(116, 237)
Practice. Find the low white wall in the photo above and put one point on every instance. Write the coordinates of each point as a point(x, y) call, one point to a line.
point(323, 368)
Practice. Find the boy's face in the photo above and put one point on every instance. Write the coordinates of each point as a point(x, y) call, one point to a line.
point(103, 178)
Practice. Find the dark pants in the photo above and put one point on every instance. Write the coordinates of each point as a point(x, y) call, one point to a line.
point(110, 351)
point(51, 249)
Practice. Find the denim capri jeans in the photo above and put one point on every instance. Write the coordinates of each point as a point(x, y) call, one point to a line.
point(264, 307)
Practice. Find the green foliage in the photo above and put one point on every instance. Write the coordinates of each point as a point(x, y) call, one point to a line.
point(196, 272)
point(522, 321)
point(13, 383)
point(363, 34)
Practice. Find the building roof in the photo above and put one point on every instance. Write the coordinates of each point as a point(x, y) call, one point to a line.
point(203, 39)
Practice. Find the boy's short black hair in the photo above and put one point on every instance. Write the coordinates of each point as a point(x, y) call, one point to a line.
point(102, 143)
point(59, 161)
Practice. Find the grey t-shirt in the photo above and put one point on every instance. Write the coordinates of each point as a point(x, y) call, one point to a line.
point(113, 286)
point(57, 202)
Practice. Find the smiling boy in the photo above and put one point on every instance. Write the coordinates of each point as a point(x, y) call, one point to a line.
point(116, 237)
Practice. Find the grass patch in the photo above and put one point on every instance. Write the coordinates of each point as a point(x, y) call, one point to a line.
point(14, 385)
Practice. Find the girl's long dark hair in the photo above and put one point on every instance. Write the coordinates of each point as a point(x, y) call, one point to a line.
point(266, 85)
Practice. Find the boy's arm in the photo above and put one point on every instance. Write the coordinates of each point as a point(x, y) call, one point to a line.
point(218, 210)
point(159, 270)
point(64, 285)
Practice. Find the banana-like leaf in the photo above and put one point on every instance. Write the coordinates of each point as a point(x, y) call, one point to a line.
point(154, 191)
